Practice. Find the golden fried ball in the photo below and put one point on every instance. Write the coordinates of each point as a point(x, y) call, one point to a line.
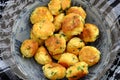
point(40, 13)
point(54, 71)
point(43, 29)
point(54, 6)
point(77, 71)
point(90, 33)
point(29, 48)
point(75, 45)
point(68, 59)
point(32, 36)
point(90, 55)
point(56, 44)
point(72, 24)
point(42, 56)
point(57, 21)
point(65, 4)
point(77, 10)
point(57, 56)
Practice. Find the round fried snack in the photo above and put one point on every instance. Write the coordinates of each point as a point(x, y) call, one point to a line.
point(40, 13)
point(90, 33)
point(54, 71)
point(77, 10)
point(32, 36)
point(57, 21)
point(56, 44)
point(43, 29)
point(77, 71)
point(54, 6)
point(90, 55)
point(42, 56)
point(72, 24)
point(75, 45)
point(29, 48)
point(68, 59)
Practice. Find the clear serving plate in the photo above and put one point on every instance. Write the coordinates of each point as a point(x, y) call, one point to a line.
point(28, 69)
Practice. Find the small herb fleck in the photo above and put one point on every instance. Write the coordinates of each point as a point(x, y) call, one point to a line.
point(60, 10)
point(61, 47)
point(70, 71)
point(79, 68)
point(63, 35)
point(57, 42)
point(73, 58)
point(40, 27)
point(53, 73)
point(81, 41)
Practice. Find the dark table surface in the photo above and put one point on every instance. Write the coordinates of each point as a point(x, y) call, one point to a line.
point(112, 74)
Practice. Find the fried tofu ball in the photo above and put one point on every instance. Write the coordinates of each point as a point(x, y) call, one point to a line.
point(72, 24)
point(40, 13)
point(57, 57)
point(75, 45)
point(78, 70)
point(43, 29)
point(65, 4)
point(42, 56)
point(90, 33)
point(54, 71)
point(32, 36)
point(56, 44)
point(68, 59)
point(57, 6)
point(90, 55)
point(29, 48)
point(54, 6)
point(77, 10)
point(57, 21)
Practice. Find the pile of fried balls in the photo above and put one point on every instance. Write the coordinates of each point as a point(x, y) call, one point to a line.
point(58, 40)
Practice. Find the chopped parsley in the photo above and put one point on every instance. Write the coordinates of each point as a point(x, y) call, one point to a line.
point(53, 73)
point(57, 42)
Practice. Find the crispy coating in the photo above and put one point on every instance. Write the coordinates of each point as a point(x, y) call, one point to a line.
point(77, 10)
point(90, 55)
point(72, 24)
point(40, 13)
point(65, 4)
point(55, 6)
point(43, 29)
point(29, 48)
point(58, 20)
point(54, 71)
point(32, 36)
point(75, 45)
point(57, 57)
point(56, 44)
point(90, 33)
point(78, 70)
point(42, 56)
point(68, 59)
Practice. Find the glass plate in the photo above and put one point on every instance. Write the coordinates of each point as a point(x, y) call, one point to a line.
point(30, 70)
